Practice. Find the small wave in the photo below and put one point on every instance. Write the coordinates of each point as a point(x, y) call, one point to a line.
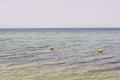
point(117, 68)
point(114, 62)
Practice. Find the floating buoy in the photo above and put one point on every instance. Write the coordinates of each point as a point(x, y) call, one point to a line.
point(52, 48)
point(100, 51)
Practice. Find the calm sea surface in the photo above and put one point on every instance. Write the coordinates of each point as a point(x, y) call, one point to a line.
point(25, 54)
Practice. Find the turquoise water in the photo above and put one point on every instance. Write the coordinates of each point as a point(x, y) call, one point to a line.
point(25, 55)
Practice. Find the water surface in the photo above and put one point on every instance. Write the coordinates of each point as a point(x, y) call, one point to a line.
point(25, 54)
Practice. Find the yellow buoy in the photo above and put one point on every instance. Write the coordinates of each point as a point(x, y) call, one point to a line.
point(52, 48)
point(100, 51)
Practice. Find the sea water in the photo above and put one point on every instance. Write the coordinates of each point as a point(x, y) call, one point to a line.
point(25, 54)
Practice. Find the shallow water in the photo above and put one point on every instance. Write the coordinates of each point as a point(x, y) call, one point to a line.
point(26, 55)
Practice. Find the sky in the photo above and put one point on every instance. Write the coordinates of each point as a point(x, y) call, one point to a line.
point(59, 13)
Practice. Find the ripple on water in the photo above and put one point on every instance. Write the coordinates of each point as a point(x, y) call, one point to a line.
point(75, 56)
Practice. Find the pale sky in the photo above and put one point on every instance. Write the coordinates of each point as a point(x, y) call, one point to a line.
point(59, 13)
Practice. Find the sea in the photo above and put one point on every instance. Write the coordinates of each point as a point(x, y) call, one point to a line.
point(25, 54)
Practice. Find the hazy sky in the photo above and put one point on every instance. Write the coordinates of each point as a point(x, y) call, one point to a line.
point(60, 13)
